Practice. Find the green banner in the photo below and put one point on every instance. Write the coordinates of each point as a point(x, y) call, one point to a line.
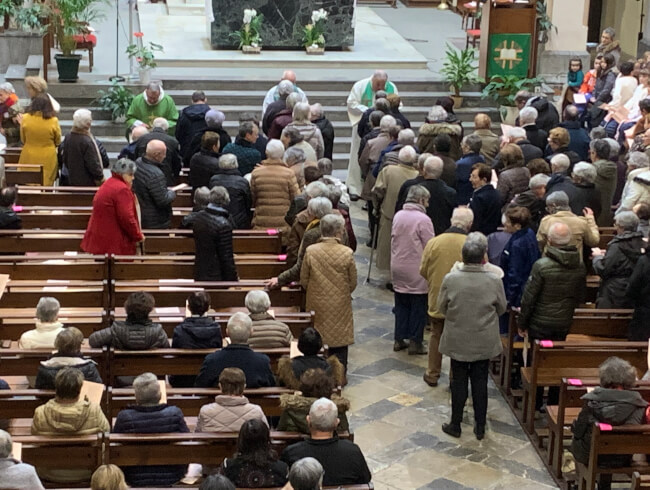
point(508, 54)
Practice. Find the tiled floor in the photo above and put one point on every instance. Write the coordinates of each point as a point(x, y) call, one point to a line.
point(397, 418)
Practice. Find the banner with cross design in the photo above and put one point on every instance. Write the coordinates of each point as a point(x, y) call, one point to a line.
point(508, 54)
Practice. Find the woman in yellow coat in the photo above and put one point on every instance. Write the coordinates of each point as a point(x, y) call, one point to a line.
point(41, 134)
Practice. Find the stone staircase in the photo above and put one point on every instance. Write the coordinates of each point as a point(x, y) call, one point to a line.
point(236, 96)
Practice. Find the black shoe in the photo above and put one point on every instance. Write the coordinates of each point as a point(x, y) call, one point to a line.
point(354, 197)
point(400, 345)
point(364, 207)
point(369, 244)
point(451, 429)
point(479, 431)
point(389, 286)
point(417, 349)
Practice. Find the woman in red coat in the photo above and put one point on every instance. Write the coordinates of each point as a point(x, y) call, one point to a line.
point(114, 227)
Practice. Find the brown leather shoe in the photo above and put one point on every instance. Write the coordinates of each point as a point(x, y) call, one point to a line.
point(429, 381)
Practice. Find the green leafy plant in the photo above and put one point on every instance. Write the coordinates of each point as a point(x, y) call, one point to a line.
point(143, 53)
point(313, 33)
point(8, 9)
point(503, 89)
point(29, 18)
point(459, 68)
point(249, 34)
point(116, 99)
point(71, 17)
point(544, 24)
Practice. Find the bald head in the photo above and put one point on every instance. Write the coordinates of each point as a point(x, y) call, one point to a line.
point(289, 75)
point(156, 151)
point(138, 132)
point(559, 234)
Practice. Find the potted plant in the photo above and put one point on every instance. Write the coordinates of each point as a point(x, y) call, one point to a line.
point(8, 9)
point(144, 54)
point(313, 34)
point(459, 69)
point(249, 38)
point(544, 24)
point(503, 89)
point(29, 18)
point(69, 18)
point(116, 99)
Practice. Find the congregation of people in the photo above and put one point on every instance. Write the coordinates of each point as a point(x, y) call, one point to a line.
point(468, 229)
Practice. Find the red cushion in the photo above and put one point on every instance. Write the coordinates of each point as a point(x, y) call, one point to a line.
point(85, 38)
point(474, 32)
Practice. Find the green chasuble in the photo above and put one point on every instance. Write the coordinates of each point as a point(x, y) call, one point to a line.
point(146, 113)
point(368, 96)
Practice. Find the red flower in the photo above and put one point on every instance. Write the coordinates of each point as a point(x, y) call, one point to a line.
point(138, 60)
point(138, 34)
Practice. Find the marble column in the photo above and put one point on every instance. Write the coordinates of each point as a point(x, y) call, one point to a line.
point(283, 22)
point(570, 41)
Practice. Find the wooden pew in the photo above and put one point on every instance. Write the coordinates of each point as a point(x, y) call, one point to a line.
point(21, 403)
point(639, 481)
point(11, 154)
point(23, 174)
point(608, 440)
point(62, 451)
point(76, 196)
point(190, 400)
point(223, 294)
point(163, 362)
point(157, 242)
point(15, 321)
point(553, 361)
point(84, 267)
point(24, 362)
point(25, 294)
point(560, 417)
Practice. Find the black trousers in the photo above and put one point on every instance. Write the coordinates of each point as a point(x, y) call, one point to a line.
point(477, 373)
point(410, 316)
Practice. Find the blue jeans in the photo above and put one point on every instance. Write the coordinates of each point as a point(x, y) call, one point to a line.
point(621, 131)
point(410, 316)
point(610, 127)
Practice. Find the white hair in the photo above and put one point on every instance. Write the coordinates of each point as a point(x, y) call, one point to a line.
point(316, 189)
point(257, 301)
point(82, 119)
point(301, 112)
point(585, 172)
point(433, 167)
point(560, 163)
point(462, 218)
point(538, 180)
point(559, 234)
point(147, 389)
point(407, 155)
point(239, 328)
point(275, 149)
point(387, 122)
point(47, 309)
point(627, 220)
point(7, 87)
point(437, 114)
point(285, 87)
point(637, 159)
point(316, 111)
point(5, 441)
point(323, 415)
point(319, 207)
point(331, 225)
point(406, 137)
point(161, 122)
point(528, 115)
point(228, 161)
point(516, 133)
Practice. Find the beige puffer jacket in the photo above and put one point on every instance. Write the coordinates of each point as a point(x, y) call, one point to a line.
point(268, 333)
point(227, 414)
point(273, 187)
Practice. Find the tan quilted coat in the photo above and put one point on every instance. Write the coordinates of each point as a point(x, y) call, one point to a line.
point(329, 275)
point(273, 187)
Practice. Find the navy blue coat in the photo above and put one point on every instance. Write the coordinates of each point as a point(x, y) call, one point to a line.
point(519, 255)
point(195, 333)
point(463, 171)
point(486, 206)
point(151, 420)
point(580, 139)
point(256, 366)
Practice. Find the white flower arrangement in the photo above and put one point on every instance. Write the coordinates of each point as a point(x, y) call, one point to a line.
point(317, 15)
point(313, 32)
point(249, 15)
point(249, 34)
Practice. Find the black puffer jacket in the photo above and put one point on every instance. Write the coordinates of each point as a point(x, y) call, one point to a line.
point(586, 196)
point(161, 418)
point(191, 120)
point(607, 406)
point(327, 130)
point(9, 220)
point(536, 136)
point(638, 290)
point(129, 335)
point(547, 116)
point(213, 242)
point(554, 289)
point(171, 165)
point(150, 187)
point(240, 196)
point(47, 370)
point(195, 333)
point(616, 267)
point(203, 166)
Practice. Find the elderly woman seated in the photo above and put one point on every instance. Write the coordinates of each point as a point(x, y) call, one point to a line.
point(67, 414)
point(47, 326)
point(149, 416)
point(314, 384)
point(137, 332)
point(68, 354)
point(268, 332)
point(14, 473)
point(310, 344)
point(614, 403)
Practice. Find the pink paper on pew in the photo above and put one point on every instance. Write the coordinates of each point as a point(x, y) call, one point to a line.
point(605, 427)
point(546, 343)
point(282, 257)
point(271, 231)
point(17, 209)
point(574, 382)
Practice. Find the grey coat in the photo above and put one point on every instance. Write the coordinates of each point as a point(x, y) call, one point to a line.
point(471, 299)
point(18, 475)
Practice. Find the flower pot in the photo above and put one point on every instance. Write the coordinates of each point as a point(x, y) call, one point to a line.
point(120, 119)
point(509, 114)
point(315, 50)
point(68, 67)
point(251, 49)
point(144, 75)
point(458, 101)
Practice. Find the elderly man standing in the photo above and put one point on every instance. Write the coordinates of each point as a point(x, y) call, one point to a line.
point(149, 105)
point(247, 156)
point(584, 230)
point(191, 120)
point(274, 92)
point(326, 128)
point(342, 460)
point(527, 118)
point(384, 196)
point(172, 163)
point(213, 122)
point(150, 187)
point(439, 256)
point(486, 200)
point(560, 180)
point(256, 366)
point(471, 298)
point(471, 147)
point(533, 199)
point(284, 90)
point(518, 137)
point(361, 98)
point(329, 275)
point(490, 141)
point(238, 189)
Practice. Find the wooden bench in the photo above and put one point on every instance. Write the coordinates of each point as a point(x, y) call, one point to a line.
point(608, 440)
point(560, 417)
point(25, 294)
point(553, 361)
point(57, 266)
point(62, 451)
point(23, 174)
point(25, 362)
point(15, 321)
point(190, 400)
point(640, 481)
point(11, 154)
point(223, 295)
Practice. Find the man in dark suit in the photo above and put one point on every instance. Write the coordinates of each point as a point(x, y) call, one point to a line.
point(256, 366)
point(486, 201)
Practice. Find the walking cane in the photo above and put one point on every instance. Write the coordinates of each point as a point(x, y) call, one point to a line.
point(372, 251)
